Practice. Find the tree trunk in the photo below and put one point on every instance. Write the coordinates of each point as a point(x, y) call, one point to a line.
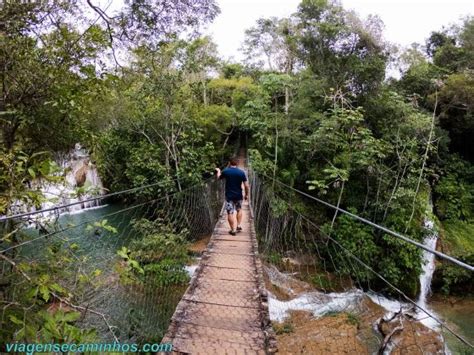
point(276, 149)
point(338, 204)
point(425, 158)
point(204, 93)
point(176, 166)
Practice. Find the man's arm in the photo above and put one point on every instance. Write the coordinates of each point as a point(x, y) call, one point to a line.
point(218, 173)
point(247, 190)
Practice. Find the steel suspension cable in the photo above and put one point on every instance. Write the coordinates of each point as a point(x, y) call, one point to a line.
point(400, 292)
point(44, 236)
point(365, 266)
point(375, 225)
point(95, 198)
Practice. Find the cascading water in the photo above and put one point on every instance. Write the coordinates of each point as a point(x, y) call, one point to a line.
point(81, 182)
point(428, 266)
point(354, 301)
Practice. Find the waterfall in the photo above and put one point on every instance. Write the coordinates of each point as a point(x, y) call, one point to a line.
point(427, 271)
point(428, 266)
point(80, 181)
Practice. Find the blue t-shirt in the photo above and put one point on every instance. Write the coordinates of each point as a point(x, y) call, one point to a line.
point(234, 177)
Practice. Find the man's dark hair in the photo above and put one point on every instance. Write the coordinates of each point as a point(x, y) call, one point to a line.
point(234, 161)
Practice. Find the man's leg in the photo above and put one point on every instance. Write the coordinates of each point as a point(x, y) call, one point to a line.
point(238, 205)
point(231, 220)
point(230, 208)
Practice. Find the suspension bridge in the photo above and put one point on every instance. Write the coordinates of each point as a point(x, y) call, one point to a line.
point(282, 284)
point(224, 310)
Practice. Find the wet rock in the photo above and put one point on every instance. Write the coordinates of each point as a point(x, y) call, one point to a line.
point(298, 259)
point(304, 334)
point(404, 335)
point(81, 175)
point(283, 285)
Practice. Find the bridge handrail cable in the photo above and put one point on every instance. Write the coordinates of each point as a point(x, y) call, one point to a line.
point(101, 217)
point(375, 225)
point(370, 269)
point(392, 286)
point(95, 198)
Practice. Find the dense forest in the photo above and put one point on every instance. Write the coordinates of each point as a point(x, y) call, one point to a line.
point(148, 96)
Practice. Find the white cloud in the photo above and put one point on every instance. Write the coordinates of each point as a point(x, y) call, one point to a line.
point(406, 21)
point(236, 16)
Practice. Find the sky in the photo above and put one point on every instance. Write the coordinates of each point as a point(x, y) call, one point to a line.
point(406, 21)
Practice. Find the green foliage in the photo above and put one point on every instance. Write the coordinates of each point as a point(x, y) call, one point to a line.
point(283, 328)
point(17, 169)
point(357, 239)
point(459, 236)
point(353, 319)
point(164, 134)
point(274, 84)
point(43, 288)
point(232, 92)
point(100, 226)
point(54, 327)
point(59, 326)
point(217, 119)
point(455, 198)
point(419, 80)
point(278, 207)
point(456, 100)
point(347, 135)
point(448, 75)
point(322, 119)
point(451, 279)
point(259, 164)
point(272, 42)
point(158, 256)
point(454, 204)
point(341, 47)
point(452, 47)
point(458, 239)
point(346, 144)
point(132, 266)
point(141, 121)
point(400, 263)
point(232, 70)
point(144, 166)
point(166, 273)
point(274, 258)
point(321, 281)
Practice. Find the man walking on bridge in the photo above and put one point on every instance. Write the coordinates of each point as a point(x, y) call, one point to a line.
point(234, 178)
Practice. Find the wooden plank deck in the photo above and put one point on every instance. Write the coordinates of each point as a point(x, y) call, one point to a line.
point(225, 310)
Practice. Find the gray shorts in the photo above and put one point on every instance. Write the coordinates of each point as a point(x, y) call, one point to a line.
point(233, 206)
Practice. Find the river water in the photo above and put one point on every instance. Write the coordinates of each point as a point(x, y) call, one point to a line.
point(133, 313)
point(458, 317)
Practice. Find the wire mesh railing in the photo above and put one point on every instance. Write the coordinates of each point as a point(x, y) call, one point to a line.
point(114, 273)
point(328, 283)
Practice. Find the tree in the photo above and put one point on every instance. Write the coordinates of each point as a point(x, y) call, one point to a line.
point(338, 46)
point(147, 22)
point(273, 39)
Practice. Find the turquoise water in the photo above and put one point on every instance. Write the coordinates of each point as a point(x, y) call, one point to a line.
point(459, 315)
point(135, 313)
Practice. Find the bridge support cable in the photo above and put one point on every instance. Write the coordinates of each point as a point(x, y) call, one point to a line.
point(123, 267)
point(310, 270)
point(375, 225)
point(99, 199)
